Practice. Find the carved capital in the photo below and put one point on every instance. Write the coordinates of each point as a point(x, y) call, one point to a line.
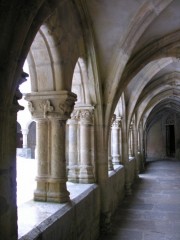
point(30, 107)
point(131, 125)
point(113, 119)
point(51, 104)
point(40, 108)
point(75, 115)
point(116, 123)
point(66, 108)
point(46, 107)
point(86, 115)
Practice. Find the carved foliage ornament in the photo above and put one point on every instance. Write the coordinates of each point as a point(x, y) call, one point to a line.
point(116, 123)
point(75, 115)
point(113, 119)
point(30, 107)
point(46, 107)
point(86, 115)
point(66, 108)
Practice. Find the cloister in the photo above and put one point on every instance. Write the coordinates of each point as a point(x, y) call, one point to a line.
point(104, 96)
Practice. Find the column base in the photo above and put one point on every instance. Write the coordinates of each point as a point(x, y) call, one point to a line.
point(131, 157)
point(73, 174)
point(57, 192)
point(86, 175)
point(116, 160)
point(110, 164)
point(40, 194)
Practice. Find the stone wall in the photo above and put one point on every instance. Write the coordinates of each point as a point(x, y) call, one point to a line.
point(156, 138)
point(156, 141)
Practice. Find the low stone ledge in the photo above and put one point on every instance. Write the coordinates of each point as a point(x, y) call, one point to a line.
point(117, 168)
point(38, 219)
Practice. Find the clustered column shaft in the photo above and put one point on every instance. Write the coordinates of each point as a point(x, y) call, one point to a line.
point(86, 169)
point(73, 153)
point(110, 164)
point(115, 142)
point(81, 145)
point(41, 156)
point(51, 113)
point(131, 141)
point(24, 133)
point(57, 191)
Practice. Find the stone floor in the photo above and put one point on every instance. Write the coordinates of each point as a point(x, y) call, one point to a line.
point(153, 210)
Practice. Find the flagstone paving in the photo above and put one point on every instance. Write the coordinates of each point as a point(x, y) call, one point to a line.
point(152, 212)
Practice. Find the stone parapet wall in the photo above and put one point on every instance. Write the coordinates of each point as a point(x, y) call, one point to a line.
point(77, 220)
point(116, 187)
point(132, 170)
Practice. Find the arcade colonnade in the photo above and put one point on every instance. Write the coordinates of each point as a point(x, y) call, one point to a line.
point(104, 96)
point(65, 145)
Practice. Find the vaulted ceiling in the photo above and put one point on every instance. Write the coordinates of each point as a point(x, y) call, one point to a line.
point(137, 46)
point(134, 47)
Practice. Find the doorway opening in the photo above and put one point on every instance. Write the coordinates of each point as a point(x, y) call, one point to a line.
point(170, 141)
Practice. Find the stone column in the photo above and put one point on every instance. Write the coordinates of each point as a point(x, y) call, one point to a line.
point(135, 147)
point(115, 142)
point(130, 142)
point(86, 169)
point(39, 108)
point(110, 163)
point(8, 184)
point(57, 183)
point(125, 157)
point(52, 109)
point(120, 142)
point(73, 148)
point(141, 147)
point(63, 107)
point(25, 133)
point(40, 194)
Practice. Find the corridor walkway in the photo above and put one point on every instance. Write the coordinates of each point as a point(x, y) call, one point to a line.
point(153, 210)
